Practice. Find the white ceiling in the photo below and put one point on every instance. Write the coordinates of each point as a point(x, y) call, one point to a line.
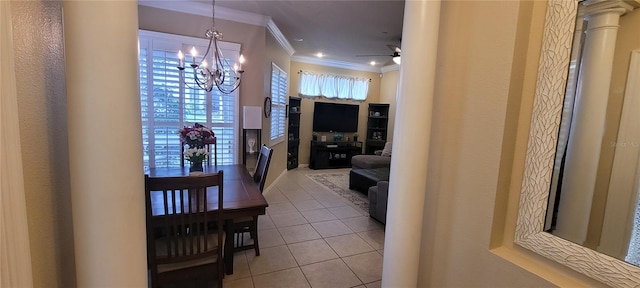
point(339, 29)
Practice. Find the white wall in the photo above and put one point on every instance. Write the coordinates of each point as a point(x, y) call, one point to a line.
point(388, 94)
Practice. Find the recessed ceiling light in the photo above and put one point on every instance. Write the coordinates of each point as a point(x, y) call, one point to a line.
point(319, 55)
point(373, 63)
point(298, 39)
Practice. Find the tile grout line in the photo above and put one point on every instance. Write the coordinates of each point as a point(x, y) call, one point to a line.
point(289, 201)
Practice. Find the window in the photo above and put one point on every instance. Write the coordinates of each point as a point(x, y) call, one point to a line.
point(333, 86)
point(278, 103)
point(167, 104)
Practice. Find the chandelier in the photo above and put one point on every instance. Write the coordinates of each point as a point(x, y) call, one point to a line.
point(220, 75)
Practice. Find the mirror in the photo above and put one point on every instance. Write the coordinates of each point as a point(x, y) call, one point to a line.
point(541, 151)
point(594, 186)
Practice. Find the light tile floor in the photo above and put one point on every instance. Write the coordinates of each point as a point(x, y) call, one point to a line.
point(311, 237)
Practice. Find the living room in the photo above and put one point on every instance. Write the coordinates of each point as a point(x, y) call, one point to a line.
point(261, 46)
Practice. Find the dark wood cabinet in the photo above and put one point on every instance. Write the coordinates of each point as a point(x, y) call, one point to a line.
point(377, 122)
point(293, 142)
point(336, 154)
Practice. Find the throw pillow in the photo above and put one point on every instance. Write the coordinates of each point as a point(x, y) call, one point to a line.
point(386, 151)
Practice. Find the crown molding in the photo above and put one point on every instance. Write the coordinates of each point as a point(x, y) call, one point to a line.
point(204, 9)
point(389, 68)
point(336, 64)
point(271, 26)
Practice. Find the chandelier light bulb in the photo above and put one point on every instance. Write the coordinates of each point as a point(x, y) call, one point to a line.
point(194, 53)
point(180, 59)
point(204, 64)
point(241, 60)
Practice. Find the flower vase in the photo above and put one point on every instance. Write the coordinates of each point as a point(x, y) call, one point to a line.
point(196, 166)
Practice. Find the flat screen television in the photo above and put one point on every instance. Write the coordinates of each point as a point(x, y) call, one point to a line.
point(332, 117)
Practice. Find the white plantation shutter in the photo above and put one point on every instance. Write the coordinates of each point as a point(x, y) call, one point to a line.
point(144, 105)
point(278, 103)
point(167, 104)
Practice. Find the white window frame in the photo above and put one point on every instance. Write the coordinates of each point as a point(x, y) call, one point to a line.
point(150, 39)
point(278, 104)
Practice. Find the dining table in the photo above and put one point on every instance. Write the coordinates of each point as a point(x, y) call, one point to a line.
point(241, 198)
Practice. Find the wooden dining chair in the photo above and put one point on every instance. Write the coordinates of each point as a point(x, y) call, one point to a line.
point(262, 166)
point(185, 239)
point(250, 224)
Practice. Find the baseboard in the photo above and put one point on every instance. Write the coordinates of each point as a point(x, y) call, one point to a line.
point(275, 181)
point(282, 174)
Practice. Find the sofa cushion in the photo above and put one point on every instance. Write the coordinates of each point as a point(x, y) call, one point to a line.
point(370, 161)
point(386, 151)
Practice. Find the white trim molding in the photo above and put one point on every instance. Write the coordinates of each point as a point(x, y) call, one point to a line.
point(273, 28)
point(204, 9)
point(335, 63)
point(389, 68)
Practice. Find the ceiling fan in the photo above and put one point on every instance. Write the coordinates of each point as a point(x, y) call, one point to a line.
point(396, 54)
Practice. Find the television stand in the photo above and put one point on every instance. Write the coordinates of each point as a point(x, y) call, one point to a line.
point(333, 154)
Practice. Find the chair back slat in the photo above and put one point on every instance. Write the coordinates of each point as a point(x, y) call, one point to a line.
point(190, 228)
point(262, 167)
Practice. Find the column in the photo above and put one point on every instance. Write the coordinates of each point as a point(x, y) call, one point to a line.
point(405, 211)
point(15, 253)
point(105, 145)
point(587, 128)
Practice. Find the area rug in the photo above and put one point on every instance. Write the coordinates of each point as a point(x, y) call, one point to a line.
point(339, 183)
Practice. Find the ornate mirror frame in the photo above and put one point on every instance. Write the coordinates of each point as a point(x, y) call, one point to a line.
point(545, 122)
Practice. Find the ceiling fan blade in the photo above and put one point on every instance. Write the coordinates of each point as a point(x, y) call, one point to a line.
point(374, 55)
point(394, 48)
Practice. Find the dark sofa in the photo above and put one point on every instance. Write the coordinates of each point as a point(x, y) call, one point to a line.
point(370, 161)
point(370, 174)
point(378, 201)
